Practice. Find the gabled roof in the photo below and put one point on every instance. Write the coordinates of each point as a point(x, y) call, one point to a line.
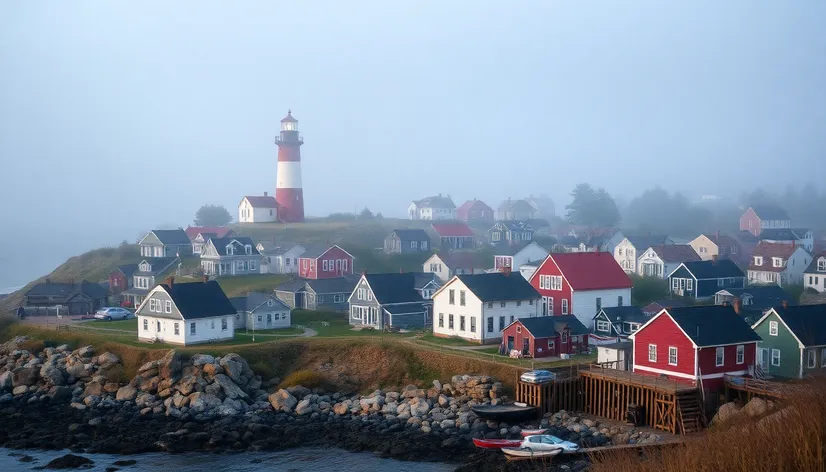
point(589, 270)
point(158, 265)
point(807, 322)
point(128, 270)
point(411, 234)
point(709, 325)
point(719, 269)
point(761, 296)
point(767, 251)
point(218, 231)
point(171, 236)
point(516, 205)
point(550, 326)
point(435, 202)
point(344, 284)
point(198, 299)
point(422, 279)
point(464, 210)
point(676, 253)
point(253, 300)
point(264, 201)
point(238, 243)
point(643, 242)
point(657, 306)
point(781, 234)
point(65, 291)
point(497, 286)
point(511, 225)
point(618, 314)
point(406, 309)
point(316, 251)
point(812, 269)
point(283, 248)
point(463, 260)
point(770, 212)
point(291, 286)
point(393, 287)
point(455, 229)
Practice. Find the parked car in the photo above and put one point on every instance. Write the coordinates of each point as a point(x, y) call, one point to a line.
point(537, 376)
point(113, 313)
point(546, 442)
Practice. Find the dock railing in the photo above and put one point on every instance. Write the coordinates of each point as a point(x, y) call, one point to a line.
point(758, 386)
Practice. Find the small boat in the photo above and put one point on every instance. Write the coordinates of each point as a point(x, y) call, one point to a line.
point(533, 432)
point(511, 412)
point(525, 453)
point(496, 443)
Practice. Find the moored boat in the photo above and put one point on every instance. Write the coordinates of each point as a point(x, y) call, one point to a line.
point(511, 412)
point(496, 443)
point(533, 432)
point(525, 453)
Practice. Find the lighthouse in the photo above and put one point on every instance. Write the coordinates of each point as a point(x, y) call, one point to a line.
point(288, 192)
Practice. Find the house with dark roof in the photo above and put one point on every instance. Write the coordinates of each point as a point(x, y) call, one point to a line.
point(75, 298)
point(793, 341)
point(446, 265)
point(510, 233)
point(165, 243)
point(545, 336)
point(186, 313)
point(615, 322)
point(702, 279)
point(696, 345)
point(628, 251)
point(815, 275)
point(757, 297)
point(454, 235)
point(230, 256)
point(258, 209)
point(120, 278)
point(474, 211)
point(279, 258)
point(515, 210)
point(658, 305)
point(778, 263)
point(329, 294)
point(407, 241)
point(757, 218)
point(325, 262)
point(432, 208)
point(257, 310)
point(514, 257)
point(659, 261)
point(148, 273)
point(199, 235)
point(478, 307)
point(803, 237)
point(392, 301)
point(722, 246)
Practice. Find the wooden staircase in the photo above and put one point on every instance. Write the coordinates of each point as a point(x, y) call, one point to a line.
point(691, 415)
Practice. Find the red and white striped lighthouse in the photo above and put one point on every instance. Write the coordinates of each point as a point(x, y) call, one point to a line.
point(288, 192)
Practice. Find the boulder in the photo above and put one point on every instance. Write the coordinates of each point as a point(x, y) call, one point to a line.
point(25, 376)
point(180, 400)
point(283, 400)
point(303, 407)
point(341, 408)
point(232, 367)
point(150, 384)
point(202, 359)
point(111, 387)
point(85, 352)
point(78, 370)
point(187, 384)
point(298, 391)
point(20, 390)
point(126, 393)
point(756, 407)
point(60, 393)
point(93, 388)
point(726, 412)
point(213, 369)
point(52, 374)
point(231, 390)
point(200, 402)
point(107, 359)
point(6, 381)
point(169, 367)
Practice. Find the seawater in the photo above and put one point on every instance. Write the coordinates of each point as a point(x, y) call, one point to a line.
point(294, 460)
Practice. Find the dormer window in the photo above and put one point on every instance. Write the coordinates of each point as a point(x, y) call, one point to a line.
point(777, 262)
point(146, 267)
point(230, 250)
point(758, 260)
point(248, 248)
point(821, 264)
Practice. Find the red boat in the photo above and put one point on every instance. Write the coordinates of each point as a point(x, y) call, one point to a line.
point(496, 443)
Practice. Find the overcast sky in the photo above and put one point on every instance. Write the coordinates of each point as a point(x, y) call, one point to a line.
point(119, 116)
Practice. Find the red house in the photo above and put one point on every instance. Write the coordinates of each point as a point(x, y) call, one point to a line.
point(545, 336)
point(474, 210)
point(580, 283)
point(760, 217)
point(325, 263)
point(693, 343)
point(120, 279)
point(455, 235)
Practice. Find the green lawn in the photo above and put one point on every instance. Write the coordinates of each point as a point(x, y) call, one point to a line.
point(329, 324)
point(282, 331)
point(130, 324)
point(452, 341)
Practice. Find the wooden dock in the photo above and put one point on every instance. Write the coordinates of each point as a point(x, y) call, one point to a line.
point(751, 387)
point(564, 393)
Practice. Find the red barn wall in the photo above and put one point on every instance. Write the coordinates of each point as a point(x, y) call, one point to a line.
point(750, 216)
point(549, 268)
point(664, 333)
point(708, 359)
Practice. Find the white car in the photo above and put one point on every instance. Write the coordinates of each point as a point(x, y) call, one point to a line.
point(113, 313)
point(537, 376)
point(546, 442)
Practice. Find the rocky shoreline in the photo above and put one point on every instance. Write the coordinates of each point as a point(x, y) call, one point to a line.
point(63, 399)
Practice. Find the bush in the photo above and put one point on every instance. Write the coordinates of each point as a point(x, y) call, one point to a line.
point(117, 374)
point(305, 378)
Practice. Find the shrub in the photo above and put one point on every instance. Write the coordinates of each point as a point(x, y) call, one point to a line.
point(117, 374)
point(33, 345)
point(305, 378)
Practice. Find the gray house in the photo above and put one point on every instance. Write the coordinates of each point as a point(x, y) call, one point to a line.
point(329, 294)
point(385, 301)
point(230, 256)
point(258, 311)
point(407, 241)
point(165, 243)
point(76, 298)
point(144, 279)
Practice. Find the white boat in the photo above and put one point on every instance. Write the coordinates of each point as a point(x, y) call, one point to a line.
point(515, 453)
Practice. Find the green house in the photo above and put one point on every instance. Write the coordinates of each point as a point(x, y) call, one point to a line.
point(794, 341)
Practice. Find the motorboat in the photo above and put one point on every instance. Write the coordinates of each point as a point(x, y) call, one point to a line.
point(522, 453)
point(496, 443)
point(510, 412)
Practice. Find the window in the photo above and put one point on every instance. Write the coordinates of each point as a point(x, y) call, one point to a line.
point(556, 282)
point(518, 303)
point(772, 328)
point(503, 304)
point(152, 305)
point(501, 323)
point(549, 306)
point(823, 357)
point(462, 323)
point(344, 265)
point(177, 329)
point(518, 329)
point(564, 306)
point(776, 357)
point(603, 326)
point(619, 300)
point(461, 298)
point(224, 323)
point(721, 282)
point(252, 265)
point(146, 325)
point(811, 360)
point(414, 245)
point(441, 320)
point(599, 303)
point(324, 265)
point(212, 323)
point(703, 250)
point(490, 304)
point(490, 325)
point(758, 260)
point(672, 355)
point(269, 318)
point(777, 262)
point(472, 324)
point(369, 295)
point(240, 265)
point(449, 321)
point(741, 354)
point(451, 297)
point(821, 264)
point(167, 306)
point(339, 298)
point(689, 284)
point(564, 336)
point(652, 353)
point(734, 249)
point(192, 329)
point(720, 359)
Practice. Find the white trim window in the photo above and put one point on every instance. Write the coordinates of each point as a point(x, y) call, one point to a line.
point(811, 358)
point(146, 327)
point(564, 306)
point(192, 329)
point(324, 265)
point(776, 357)
point(544, 282)
point(556, 282)
point(603, 326)
point(672, 355)
point(772, 328)
point(689, 284)
point(652, 353)
point(720, 357)
point(741, 354)
point(167, 306)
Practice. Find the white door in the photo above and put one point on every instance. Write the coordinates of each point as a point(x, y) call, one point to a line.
point(763, 359)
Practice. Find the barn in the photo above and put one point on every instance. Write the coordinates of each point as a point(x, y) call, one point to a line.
point(545, 336)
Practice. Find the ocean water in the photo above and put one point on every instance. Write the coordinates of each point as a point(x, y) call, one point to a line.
point(294, 460)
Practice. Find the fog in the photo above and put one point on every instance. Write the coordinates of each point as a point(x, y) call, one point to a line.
point(119, 116)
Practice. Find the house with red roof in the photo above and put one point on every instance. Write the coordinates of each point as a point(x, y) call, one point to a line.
point(258, 209)
point(454, 235)
point(474, 211)
point(581, 283)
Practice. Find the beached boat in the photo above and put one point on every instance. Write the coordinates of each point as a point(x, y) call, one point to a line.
point(524, 453)
point(533, 432)
point(511, 412)
point(496, 443)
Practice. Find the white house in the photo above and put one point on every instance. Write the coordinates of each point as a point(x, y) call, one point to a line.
point(445, 266)
point(778, 263)
point(627, 251)
point(280, 260)
point(515, 259)
point(186, 313)
point(478, 307)
point(258, 209)
point(432, 208)
point(659, 261)
point(803, 237)
point(815, 275)
point(257, 311)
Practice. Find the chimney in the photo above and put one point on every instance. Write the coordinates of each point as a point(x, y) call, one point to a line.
point(506, 270)
point(170, 281)
point(785, 304)
point(736, 303)
point(265, 194)
point(401, 271)
point(206, 278)
point(714, 259)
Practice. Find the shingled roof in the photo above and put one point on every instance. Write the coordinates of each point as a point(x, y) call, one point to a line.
point(197, 300)
point(807, 322)
point(770, 212)
point(264, 201)
point(238, 243)
point(550, 326)
point(767, 251)
point(618, 314)
point(455, 229)
point(435, 202)
point(712, 325)
point(171, 236)
point(676, 253)
point(589, 270)
point(498, 286)
point(719, 269)
point(393, 287)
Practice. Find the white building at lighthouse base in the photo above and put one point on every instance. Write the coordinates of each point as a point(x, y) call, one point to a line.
point(258, 209)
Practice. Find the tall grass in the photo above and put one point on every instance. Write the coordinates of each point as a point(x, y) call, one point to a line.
point(792, 438)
